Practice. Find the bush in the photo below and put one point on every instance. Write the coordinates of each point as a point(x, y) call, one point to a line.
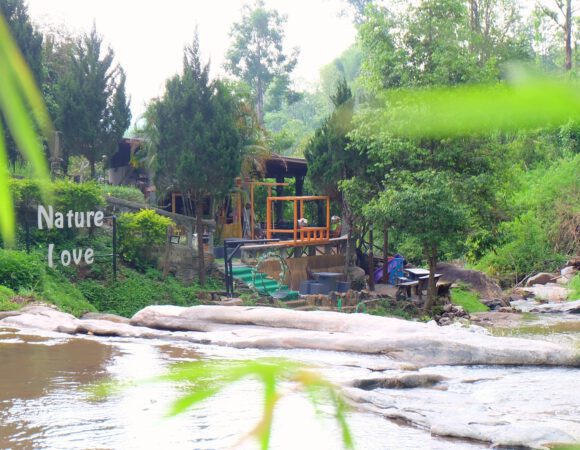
point(468, 300)
point(526, 249)
point(139, 234)
point(134, 291)
point(5, 299)
point(19, 270)
point(129, 193)
point(574, 287)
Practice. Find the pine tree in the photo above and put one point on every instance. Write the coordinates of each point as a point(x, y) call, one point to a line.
point(196, 140)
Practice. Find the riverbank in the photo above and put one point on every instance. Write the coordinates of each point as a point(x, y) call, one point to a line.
point(431, 369)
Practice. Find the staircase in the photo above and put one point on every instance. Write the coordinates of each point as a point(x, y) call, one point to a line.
point(263, 284)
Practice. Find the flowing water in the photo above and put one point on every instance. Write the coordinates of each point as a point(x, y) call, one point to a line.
point(45, 404)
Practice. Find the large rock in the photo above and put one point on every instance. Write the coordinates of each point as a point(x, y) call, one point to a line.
point(540, 278)
point(551, 292)
point(400, 340)
point(563, 308)
point(269, 328)
point(478, 281)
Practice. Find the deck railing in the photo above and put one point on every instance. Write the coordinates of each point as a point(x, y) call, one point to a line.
point(301, 235)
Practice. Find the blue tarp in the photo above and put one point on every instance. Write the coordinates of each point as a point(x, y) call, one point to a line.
point(394, 270)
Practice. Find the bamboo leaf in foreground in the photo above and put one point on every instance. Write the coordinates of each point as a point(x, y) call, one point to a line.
point(478, 109)
point(205, 379)
point(23, 108)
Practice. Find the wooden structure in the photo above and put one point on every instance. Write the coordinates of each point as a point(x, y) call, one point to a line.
point(300, 235)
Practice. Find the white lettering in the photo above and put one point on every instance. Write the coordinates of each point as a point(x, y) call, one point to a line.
point(89, 214)
point(50, 249)
point(89, 256)
point(58, 220)
point(79, 220)
point(48, 217)
point(69, 216)
point(65, 258)
point(99, 216)
point(77, 255)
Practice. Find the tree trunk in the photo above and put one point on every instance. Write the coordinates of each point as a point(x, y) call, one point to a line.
point(568, 34)
point(93, 169)
point(432, 288)
point(385, 277)
point(349, 252)
point(199, 231)
point(260, 102)
point(371, 260)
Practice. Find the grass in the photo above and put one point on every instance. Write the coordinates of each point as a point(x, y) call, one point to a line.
point(468, 300)
point(6, 295)
point(574, 287)
point(386, 309)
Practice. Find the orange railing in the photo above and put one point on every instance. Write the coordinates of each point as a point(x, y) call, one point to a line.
point(301, 235)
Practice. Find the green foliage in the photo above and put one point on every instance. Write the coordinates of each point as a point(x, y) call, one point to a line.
point(546, 212)
point(468, 300)
point(205, 379)
point(129, 193)
point(27, 273)
point(19, 270)
point(326, 153)
point(6, 295)
point(386, 308)
point(526, 249)
point(140, 235)
point(574, 287)
point(134, 291)
point(59, 291)
point(64, 195)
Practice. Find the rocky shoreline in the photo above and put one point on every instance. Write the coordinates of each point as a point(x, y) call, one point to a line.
point(411, 360)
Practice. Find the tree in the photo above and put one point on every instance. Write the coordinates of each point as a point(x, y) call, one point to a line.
point(197, 136)
point(93, 107)
point(29, 40)
point(433, 45)
point(330, 161)
point(257, 55)
point(564, 19)
point(426, 207)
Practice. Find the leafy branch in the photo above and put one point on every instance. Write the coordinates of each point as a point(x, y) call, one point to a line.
point(205, 379)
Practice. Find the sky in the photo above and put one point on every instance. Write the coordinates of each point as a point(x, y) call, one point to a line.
point(148, 36)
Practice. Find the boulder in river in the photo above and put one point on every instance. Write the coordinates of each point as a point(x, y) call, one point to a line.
point(478, 281)
point(541, 278)
point(398, 340)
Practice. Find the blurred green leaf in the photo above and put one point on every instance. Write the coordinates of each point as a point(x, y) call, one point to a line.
point(478, 109)
point(204, 379)
point(6, 207)
point(23, 108)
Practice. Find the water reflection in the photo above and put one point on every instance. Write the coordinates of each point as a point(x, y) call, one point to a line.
point(44, 403)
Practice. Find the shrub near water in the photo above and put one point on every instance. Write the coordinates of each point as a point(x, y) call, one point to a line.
point(134, 291)
point(5, 295)
point(139, 233)
point(19, 270)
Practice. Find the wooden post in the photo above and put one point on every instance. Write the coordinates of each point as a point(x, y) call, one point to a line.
point(269, 218)
point(295, 220)
point(279, 205)
point(327, 218)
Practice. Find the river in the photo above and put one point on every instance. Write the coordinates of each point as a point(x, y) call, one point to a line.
point(45, 404)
